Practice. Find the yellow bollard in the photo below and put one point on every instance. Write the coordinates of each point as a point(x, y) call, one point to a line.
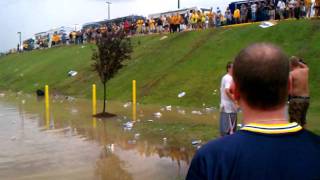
point(94, 122)
point(94, 99)
point(134, 100)
point(47, 106)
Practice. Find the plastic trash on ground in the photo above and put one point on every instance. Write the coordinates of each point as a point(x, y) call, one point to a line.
point(181, 111)
point(2, 94)
point(182, 94)
point(169, 108)
point(72, 73)
point(127, 104)
point(196, 142)
point(136, 136)
point(150, 120)
point(157, 114)
point(163, 38)
point(266, 24)
point(110, 148)
point(128, 126)
point(196, 112)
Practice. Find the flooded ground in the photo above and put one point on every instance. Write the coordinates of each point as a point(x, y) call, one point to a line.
point(73, 145)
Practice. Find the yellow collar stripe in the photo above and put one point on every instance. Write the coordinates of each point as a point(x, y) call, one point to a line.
point(272, 129)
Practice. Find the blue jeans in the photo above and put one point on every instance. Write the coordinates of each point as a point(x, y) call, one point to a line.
point(253, 16)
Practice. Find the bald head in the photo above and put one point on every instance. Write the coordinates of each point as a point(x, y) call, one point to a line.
point(261, 73)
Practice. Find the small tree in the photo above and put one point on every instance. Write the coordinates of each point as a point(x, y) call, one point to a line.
point(112, 49)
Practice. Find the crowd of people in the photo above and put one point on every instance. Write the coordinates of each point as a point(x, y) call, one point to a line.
point(245, 12)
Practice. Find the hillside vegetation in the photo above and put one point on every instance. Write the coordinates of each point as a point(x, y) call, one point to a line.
point(193, 62)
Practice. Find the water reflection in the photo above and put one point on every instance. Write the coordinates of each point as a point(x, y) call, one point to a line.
point(99, 148)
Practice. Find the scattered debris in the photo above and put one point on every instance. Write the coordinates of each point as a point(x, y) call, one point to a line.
point(196, 142)
point(21, 75)
point(203, 104)
point(181, 111)
point(74, 111)
point(23, 101)
point(150, 120)
point(128, 126)
point(157, 114)
point(165, 139)
point(40, 92)
point(266, 24)
point(137, 135)
point(132, 142)
point(182, 94)
point(196, 112)
point(162, 109)
point(168, 108)
point(69, 98)
point(110, 148)
point(127, 104)
point(210, 109)
point(163, 38)
point(72, 73)
point(2, 94)
point(83, 47)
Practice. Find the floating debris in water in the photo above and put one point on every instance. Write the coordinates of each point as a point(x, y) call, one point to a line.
point(181, 111)
point(196, 112)
point(128, 125)
point(127, 104)
point(157, 114)
point(110, 148)
point(196, 142)
point(137, 135)
point(182, 94)
point(132, 142)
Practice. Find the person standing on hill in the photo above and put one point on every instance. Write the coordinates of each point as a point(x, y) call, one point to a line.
point(236, 16)
point(299, 91)
point(267, 147)
point(228, 109)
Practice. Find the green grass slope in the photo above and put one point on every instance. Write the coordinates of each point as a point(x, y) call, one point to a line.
point(193, 62)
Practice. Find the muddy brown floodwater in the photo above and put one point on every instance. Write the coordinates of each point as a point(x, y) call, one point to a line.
point(73, 145)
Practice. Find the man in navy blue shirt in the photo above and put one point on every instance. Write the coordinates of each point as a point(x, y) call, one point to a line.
point(267, 147)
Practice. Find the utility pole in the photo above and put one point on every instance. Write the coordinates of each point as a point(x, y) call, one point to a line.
point(19, 41)
point(178, 4)
point(108, 2)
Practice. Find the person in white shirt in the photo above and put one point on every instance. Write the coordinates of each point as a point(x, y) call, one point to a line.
point(228, 109)
point(253, 11)
point(281, 6)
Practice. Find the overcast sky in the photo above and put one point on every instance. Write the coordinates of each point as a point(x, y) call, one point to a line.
point(32, 16)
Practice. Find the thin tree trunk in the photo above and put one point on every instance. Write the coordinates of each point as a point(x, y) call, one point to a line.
point(104, 97)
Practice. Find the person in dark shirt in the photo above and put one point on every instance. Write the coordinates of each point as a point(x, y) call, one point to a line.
point(267, 146)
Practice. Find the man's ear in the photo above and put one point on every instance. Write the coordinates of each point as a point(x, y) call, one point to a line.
point(235, 91)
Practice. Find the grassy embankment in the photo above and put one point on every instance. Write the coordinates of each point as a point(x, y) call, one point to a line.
point(192, 62)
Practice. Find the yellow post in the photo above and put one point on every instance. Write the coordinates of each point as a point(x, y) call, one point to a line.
point(134, 101)
point(47, 106)
point(94, 99)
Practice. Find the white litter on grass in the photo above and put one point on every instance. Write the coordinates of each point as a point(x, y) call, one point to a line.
point(182, 94)
point(165, 139)
point(169, 108)
point(127, 104)
point(196, 112)
point(72, 73)
point(208, 110)
point(128, 125)
point(196, 142)
point(2, 95)
point(157, 114)
point(23, 101)
point(163, 38)
point(83, 47)
point(150, 120)
point(266, 24)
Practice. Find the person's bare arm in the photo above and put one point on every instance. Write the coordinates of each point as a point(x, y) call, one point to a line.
point(302, 65)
